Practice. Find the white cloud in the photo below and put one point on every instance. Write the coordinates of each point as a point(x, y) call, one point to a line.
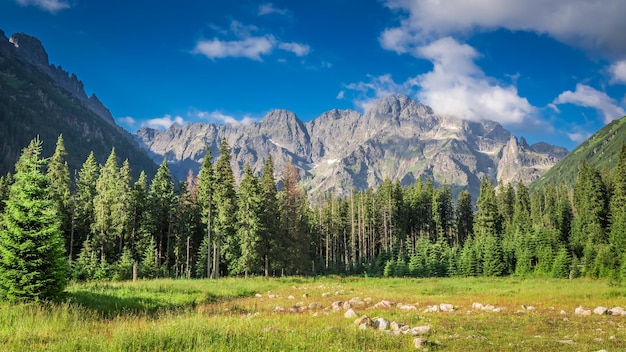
point(618, 72)
point(219, 117)
point(128, 120)
point(251, 48)
point(296, 48)
point(51, 6)
point(164, 122)
point(589, 97)
point(248, 44)
point(341, 95)
point(455, 86)
point(588, 24)
point(578, 137)
point(269, 8)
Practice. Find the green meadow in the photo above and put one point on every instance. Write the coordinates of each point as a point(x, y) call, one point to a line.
point(229, 315)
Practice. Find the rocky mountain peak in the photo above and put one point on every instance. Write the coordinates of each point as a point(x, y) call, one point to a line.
point(30, 49)
point(398, 105)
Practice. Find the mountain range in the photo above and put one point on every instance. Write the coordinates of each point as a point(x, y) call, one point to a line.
point(40, 99)
point(397, 138)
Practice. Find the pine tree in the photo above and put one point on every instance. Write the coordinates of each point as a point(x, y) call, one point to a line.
point(487, 218)
point(205, 203)
point(270, 246)
point(294, 220)
point(161, 202)
point(84, 212)
point(225, 200)
point(464, 218)
point(33, 266)
point(249, 225)
point(618, 205)
point(493, 263)
point(562, 263)
point(108, 226)
point(59, 176)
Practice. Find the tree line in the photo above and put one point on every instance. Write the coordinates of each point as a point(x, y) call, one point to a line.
point(114, 227)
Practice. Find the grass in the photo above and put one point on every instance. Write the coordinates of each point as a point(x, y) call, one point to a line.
point(225, 315)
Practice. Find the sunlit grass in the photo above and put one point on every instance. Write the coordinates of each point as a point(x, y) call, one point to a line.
point(225, 315)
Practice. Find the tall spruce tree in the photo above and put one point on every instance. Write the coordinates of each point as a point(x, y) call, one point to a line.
point(205, 203)
point(618, 205)
point(270, 218)
point(33, 266)
point(108, 227)
point(84, 214)
point(160, 211)
point(249, 225)
point(294, 220)
point(225, 200)
point(59, 176)
point(464, 218)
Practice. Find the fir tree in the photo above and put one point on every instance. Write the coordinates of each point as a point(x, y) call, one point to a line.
point(59, 176)
point(107, 226)
point(618, 205)
point(270, 246)
point(249, 225)
point(464, 218)
point(225, 200)
point(33, 266)
point(205, 203)
point(84, 212)
point(160, 213)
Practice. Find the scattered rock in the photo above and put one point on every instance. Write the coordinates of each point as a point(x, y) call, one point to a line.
point(525, 307)
point(337, 305)
point(313, 305)
point(258, 295)
point(383, 304)
point(477, 305)
point(431, 309)
point(420, 330)
point(364, 320)
point(407, 307)
point(271, 295)
point(350, 313)
point(446, 307)
point(568, 342)
point(325, 294)
point(395, 326)
point(305, 295)
point(420, 342)
point(617, 311)
point(580, 310)
point(291, 297)
point(600, 310)
point(381, 324)
point(347, 305)
point(563, 312)
point(367, 300)
point(279, 309)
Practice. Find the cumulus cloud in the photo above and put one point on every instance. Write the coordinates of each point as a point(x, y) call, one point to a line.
point(162, 123)
point(128, 120)
point(248, 43)
point(618, 72)
point(456, 86)
point(269, 9)
point(587, 96)
point(296, 48)
point(588, 24)
point(578, 137)
point(51, 6)
point(219, 117)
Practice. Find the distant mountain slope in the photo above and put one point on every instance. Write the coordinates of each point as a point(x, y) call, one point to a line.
point(396, 138)
point(601, 150)
point(38, 99)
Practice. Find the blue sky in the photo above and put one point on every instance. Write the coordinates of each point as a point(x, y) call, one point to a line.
point(548, 70)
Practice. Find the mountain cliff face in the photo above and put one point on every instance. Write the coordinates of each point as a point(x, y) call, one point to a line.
point(396, 138)
point(39, 99)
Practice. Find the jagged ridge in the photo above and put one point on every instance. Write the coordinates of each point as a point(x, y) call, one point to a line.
point(397, 138)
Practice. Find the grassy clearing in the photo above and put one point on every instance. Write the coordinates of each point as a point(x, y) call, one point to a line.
point(225, 315)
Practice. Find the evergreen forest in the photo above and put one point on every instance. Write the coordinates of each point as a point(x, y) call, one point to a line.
point(114, 227)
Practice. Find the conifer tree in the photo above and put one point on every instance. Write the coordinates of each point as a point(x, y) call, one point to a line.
point(618, 205)
point(84, 213)
point(464, 218)
point(249, 226)
point(204, 196)
point(33, 266)
point(108, 226)
point(161, 202)
point(225, 200)
point(270, 245)
point(294, 220)
point(487, 218)
point(59, 176)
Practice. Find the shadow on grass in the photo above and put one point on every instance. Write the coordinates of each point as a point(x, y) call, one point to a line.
point(110, 306)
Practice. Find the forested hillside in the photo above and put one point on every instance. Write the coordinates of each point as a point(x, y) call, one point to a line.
point(207, 225)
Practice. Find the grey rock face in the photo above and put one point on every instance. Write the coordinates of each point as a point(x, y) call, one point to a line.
point(396, 138)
